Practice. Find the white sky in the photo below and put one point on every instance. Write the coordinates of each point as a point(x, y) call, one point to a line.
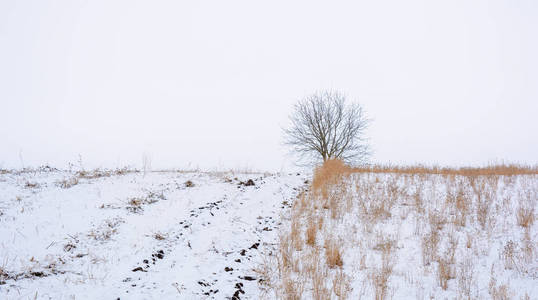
point(211, 83)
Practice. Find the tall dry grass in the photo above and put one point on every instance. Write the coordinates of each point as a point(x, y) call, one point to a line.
point(328, 175)
point(503, 169)
point(344, 230)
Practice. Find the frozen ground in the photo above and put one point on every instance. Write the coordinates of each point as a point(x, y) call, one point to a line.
point(131, 236)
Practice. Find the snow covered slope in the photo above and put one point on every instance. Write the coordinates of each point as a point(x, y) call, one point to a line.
point(164, 235)
point(364, 235)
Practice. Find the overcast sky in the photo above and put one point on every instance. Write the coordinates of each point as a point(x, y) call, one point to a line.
point(211, 83)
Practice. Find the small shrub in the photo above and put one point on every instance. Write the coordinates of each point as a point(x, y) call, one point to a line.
point(31, 185)
point(189, 184)
point(159, 236)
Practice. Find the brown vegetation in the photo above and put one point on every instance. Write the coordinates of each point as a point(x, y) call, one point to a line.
point(494, 169)
point(457, 214)
point(333, 253)
point(328, 175)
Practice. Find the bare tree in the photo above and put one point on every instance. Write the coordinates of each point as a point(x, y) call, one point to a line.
point(324, 126)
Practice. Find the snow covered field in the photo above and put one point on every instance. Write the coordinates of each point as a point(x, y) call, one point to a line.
point(408, 235)
point(196, 235)
point(162, 235)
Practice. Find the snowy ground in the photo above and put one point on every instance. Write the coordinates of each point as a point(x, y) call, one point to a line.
point(132, 236)
point(408, 236)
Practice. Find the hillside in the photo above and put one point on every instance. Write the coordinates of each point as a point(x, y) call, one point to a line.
point(410, 233)
point(123, 234)
point(341, 233)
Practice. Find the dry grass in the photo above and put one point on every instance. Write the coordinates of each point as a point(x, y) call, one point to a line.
point(430, 243)
point(189, 184)
point(336, 205)
point(445, 272)
point(265, 271)
point(341, 285)
point(295, 235)
point(509, 255)
point(373, 205)
point(525, 210)
point(99, 173)
point(482, 211)
point(320, 290)
point(333, 252)
point(31, 185)
point(311, 231)
point(293, 289)
point(469, 241)
point(462, 206)
point(494, 169)
point(527, 248)
point(329, 174)
point(525, 216)
point(501, 292)
point(286, 252)
point(106, 230)
point(379, 278)
point(159, 236)
point(303, 263)
point(93, 174)
point(437, 220)
point(417, 200)
point(68, 182)
point(465, 277)
point(319, 284)
point(136, 204)
point(456, 215)
point(446, 269)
